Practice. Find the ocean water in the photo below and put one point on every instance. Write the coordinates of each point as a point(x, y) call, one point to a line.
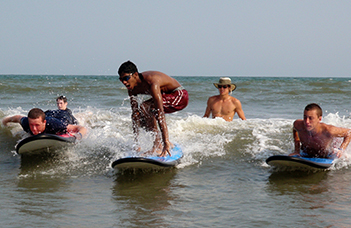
point(222, 180)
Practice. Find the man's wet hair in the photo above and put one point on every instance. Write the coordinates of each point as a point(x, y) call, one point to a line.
point(127, 68)
point(36, 113)
point(64, 98)
point(314, 106)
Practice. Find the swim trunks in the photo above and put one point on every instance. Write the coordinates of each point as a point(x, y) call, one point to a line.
point(176, 100)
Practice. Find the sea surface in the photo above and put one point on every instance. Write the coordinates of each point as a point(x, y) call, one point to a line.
point(222, 180)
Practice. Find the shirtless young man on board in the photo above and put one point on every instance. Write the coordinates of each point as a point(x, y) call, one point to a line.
point(167, 96)
point(224, 105)
point(314, 139)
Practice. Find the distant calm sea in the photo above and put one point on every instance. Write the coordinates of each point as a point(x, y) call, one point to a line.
point(222, 181)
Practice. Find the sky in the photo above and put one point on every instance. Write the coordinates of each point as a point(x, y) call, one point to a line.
point(304, 38)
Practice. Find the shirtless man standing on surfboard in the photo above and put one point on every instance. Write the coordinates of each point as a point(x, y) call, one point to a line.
point(314, 139)
point(167, 96)
point(224, 105)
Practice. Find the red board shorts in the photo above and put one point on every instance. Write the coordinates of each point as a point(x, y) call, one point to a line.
point(176, 100)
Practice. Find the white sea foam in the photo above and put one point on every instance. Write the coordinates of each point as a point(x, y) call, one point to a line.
point(110, 135)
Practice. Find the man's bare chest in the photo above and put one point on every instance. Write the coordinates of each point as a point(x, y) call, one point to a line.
point(314, 141)
point(224, 107)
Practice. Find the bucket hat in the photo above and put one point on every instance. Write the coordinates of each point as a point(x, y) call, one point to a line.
point(225, 81)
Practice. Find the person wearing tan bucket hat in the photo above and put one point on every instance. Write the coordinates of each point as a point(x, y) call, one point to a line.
point(224, 105)
point(225, 81)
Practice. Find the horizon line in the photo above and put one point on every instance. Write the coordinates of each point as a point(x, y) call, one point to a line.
point(297, 76)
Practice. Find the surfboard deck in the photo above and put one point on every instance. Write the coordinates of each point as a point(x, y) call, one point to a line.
point(149, 162)
point(38, 144)
point(299, 162)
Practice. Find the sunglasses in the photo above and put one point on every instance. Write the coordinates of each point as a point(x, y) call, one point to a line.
point(223, 86)
point(125, 78)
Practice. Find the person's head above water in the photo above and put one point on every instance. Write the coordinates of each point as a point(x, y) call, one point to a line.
point(225, 82)
point(61, 102)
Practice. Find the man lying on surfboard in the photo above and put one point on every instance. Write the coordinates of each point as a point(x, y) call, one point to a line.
point(36, 123)
point(314, 139)
point(167, 96)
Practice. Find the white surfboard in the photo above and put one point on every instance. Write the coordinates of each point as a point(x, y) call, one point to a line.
point(38, 144)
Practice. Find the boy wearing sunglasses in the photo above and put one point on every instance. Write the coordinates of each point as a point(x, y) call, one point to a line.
point(224, 105)
point(167, 96)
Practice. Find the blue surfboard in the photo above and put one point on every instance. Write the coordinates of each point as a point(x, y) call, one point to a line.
point(149, 162)
point(299, 162)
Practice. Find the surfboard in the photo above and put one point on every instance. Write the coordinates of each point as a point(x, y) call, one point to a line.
point(299, 162)
point(38, 144)
point(149, 162)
